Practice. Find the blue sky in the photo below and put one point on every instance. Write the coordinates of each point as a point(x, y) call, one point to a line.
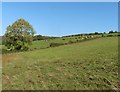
point(63, 18)
point(0, 18)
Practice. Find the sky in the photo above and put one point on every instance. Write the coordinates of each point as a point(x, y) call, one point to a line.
point(0, 18)
point(62, 18)
point(60, 0)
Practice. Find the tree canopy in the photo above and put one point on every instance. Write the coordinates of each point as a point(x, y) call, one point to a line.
point(19, 35)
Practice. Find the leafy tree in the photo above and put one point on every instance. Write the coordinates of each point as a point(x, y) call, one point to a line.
point(104, 32)
point(111, 32)
point(19, 35)
point(115, 32)
point(96, 33)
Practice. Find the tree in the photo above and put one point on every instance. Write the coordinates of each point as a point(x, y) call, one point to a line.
point(111, 32)
point(104, 32)
point(19, 35)
point(96, 33)
point(115, 32)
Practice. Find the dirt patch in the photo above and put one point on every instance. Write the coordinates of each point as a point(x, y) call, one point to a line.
point(0, 59)
point(10, 58)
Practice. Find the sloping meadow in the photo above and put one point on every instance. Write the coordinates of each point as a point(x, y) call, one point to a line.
point(89, 65)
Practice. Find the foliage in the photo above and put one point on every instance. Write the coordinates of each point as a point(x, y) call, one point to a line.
point(110, 32)
point(19, 35)
point(71, 42)
point(40, 37)
point(55, 44)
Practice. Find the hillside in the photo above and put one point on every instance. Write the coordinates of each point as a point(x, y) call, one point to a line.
point(84, 66)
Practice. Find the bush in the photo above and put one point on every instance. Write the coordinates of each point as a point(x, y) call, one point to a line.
point(77, 40)
point(118, 35)
point(109, 35)
point(55, 44)
point(25, 48)
point(71, 41)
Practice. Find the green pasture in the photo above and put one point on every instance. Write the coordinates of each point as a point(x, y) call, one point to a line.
point(89, 65)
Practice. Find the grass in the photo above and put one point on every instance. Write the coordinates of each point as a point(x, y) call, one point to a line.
point(42, 43)
point(0, 67)
point(90, 65)
point(36, 44)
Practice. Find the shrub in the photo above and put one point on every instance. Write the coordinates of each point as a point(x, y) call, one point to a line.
point(25, 48)
point(35, 48)
point(55, 44)
point(77, 40)
point(71, 41)
point(65, 43)
point(109, 35)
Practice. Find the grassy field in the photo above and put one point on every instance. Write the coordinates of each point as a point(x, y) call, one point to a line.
point(0, 67)
point(87, 65)
point(43, 43)
point(40, 44)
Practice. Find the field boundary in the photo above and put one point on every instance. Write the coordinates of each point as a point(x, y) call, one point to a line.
point(65, 44)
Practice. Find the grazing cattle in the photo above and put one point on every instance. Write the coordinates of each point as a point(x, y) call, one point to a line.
point(86, 37)
point(82, 38)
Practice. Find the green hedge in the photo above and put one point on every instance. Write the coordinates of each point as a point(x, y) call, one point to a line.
point(55, 44)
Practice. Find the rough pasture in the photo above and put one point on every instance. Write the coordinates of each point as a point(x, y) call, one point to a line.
point(84, 66)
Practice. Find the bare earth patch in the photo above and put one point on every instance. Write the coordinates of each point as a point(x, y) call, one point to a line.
point(10, 57)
